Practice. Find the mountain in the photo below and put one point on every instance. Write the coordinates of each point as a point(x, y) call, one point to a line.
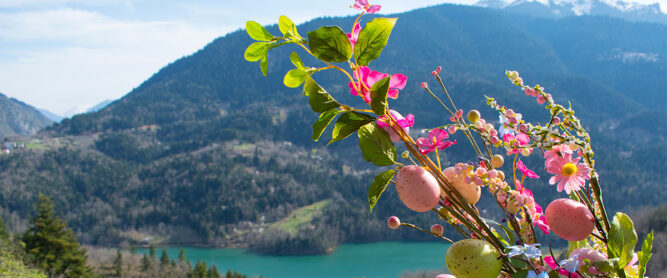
point(209, 152)
point(18, 118)
point(99, 106)
point(51, 116)
point(630, 11)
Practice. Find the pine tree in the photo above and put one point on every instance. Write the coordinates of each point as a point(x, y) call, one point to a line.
point(213, 272)
point(200, 270)
point(133, 248)
point(118, 263)
point(151, 251)
point(181, 255)
point(53, 247)
point(145, 263)
point(164, 259)
point(4, 234)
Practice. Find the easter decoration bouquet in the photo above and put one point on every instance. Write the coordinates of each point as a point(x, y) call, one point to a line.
point(598, 246)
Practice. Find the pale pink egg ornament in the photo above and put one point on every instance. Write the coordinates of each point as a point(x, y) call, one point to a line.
point(417, 188)
point(569, 219)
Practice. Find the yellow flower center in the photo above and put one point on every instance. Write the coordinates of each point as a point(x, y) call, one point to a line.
point(569, 169)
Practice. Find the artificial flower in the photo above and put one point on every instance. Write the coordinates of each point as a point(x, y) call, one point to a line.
point(526, 172)
point(368, 78)
point(405, 123)
point(363, 5)
point(354, 36)
point(568, 173)
point(531, 251)
point(435, 140)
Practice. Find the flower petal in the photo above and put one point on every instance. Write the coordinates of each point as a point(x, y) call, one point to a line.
point(397, 81)
point(373, 9)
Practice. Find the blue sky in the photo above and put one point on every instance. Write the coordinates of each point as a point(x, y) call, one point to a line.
point(65, 54)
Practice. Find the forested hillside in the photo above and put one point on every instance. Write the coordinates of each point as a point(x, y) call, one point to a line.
point(209, 152)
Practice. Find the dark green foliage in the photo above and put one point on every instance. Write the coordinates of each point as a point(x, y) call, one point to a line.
point(152, 252)
point(234, 274)
point(213, 272)
point(199, 271)
point(164, 259)
point(118, 264)
point(145, 263)
point(52, 246)
point(181, 255)
point(4, 234)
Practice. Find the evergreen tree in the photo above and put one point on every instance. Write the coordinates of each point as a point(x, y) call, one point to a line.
point(145, 263)
point(151, 251)
point(133, 249)
point(164, 259)
point(181, 255)
point(53, 247)
point(229, 274)
point(4, 234)
point(200, 270)
point(118, 263)
point(213, 272)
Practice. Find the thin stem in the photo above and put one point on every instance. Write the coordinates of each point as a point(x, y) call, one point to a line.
point(420, 229)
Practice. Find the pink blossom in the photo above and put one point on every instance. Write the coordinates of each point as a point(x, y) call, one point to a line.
point(363, 5)
point(352, 37)
point(405, 123)
point(526, 172)
point(516, 142)
point(435, 140)
point(556, 151)
point(569, 173)
point(368, 78)
point(457, 116)
point(436, 71)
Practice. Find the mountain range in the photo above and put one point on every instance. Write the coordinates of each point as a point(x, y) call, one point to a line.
point(209, 152)
point(630, 11)
point(19, 118)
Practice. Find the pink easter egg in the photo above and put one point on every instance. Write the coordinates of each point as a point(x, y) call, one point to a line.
point(417, 188)
point(569, 219)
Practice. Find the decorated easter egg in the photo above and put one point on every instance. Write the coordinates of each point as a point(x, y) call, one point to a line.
point(473, 258)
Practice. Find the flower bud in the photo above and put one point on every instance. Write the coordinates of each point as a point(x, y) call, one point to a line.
point(525, 152)
point(451, 129)
point(423, 85)
point(405, 154)
point(437, 229)
point(393, 222)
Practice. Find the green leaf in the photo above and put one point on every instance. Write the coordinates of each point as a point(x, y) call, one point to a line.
point(258, 32)
point(320, 101)
point(321, 124)
point(376, 147)
point(294, 78)
point(554, 274)
point(330, 44)
point(379, 96)
point(645, 254)
point(378, 186)
point(256, 51)
point(606, 265)
point(296, 60)
point(264, 64)
point(287, 27)
point(348, 123)
point(574, 245)
point(508, 233)
point(520, 274)
point(622, 239)
point(372, 39)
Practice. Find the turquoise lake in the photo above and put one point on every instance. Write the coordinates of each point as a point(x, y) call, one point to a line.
point(370, 260)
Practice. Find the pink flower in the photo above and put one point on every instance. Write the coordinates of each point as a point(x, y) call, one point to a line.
point(363, 5)
point(569, 173)
point(516, 142)
point(352, 37)
point(436, 139)
point(368, 78)
point(541, 220)
point(556, 151)
point(526, 172)
point(405, 123)
point(551, 262)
